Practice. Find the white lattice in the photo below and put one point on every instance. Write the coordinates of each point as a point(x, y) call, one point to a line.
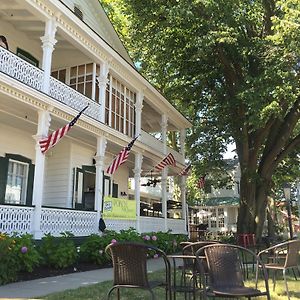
point(148, 224)
point(21, 70)
point(177, 225)
point(15, 219)
point(118, 225)
point(79, 223)
point(72, 98)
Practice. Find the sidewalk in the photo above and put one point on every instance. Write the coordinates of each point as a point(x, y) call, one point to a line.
point(44, 286)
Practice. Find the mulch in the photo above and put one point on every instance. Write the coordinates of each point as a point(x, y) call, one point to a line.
point(46, 271)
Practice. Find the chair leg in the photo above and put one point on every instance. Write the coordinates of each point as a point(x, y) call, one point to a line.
point(109, 292)
point(118, 293)
point(294, 274)
point(152, 294)
point(274, 280)
point(286, 285)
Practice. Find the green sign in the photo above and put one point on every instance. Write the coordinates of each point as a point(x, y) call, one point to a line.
point(119, 209)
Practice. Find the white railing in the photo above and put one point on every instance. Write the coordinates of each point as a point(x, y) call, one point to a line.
point(16, 219)
point(148, 224)
point(21, 70)
point(32, 76)
point(156, 144)
point(74, 99)
point(118, 225)
point(79, 223)
point(177, 226)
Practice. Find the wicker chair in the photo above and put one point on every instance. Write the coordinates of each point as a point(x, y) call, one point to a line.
point(226, 275)
point(130, 267)
point(285, 256)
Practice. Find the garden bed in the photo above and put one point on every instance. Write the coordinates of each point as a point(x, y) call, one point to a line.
point(45, 271)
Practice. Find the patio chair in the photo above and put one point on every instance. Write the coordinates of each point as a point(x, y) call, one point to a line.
point(130, 267)
point(190, 268)
point(226, 275)
point(283, 256)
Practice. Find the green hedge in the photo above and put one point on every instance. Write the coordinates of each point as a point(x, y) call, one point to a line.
point(21, 253)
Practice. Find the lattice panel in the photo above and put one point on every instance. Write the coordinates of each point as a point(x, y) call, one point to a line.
point(118, 225)
point(16, 219)
point(148, 224)
point(80, 223)
point(72, 98)
point(177, 225)
point(21, 70)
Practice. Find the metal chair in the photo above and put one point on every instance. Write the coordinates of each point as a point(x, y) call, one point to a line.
point(284, 256)
point(130, 267)
point(226, 275)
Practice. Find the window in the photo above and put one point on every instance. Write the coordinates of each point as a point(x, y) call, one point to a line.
point(221, 217)
point(27, 56)
point(213, 218)
point(16, 184)
point(78, 12)
point(16, 179)
point(119, 107)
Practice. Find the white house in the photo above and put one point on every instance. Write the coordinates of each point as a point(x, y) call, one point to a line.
point(221, 205)
point(62, 56)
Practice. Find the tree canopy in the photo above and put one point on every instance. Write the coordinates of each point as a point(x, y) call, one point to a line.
point(232, 67)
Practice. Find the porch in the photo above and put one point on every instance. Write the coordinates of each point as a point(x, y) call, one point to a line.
point(21, 219)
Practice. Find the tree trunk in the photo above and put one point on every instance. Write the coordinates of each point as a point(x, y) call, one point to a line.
point(253, 204)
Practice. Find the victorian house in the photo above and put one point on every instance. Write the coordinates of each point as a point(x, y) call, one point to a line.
point(61, 57)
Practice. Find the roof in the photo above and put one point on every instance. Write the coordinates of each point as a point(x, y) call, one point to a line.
point(222, 201)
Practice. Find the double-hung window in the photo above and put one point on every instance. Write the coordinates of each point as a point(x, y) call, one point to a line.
point(16, 184)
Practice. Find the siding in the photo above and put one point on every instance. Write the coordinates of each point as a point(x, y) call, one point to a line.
point(57, 176)
point(17, 142)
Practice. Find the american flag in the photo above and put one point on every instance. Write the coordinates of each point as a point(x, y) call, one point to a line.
point(185, 170)
point(54, 137)
point(169, 160)
point(120, 158)
point(201, 182)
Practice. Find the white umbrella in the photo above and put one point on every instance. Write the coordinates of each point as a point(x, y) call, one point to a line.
point(203, 213)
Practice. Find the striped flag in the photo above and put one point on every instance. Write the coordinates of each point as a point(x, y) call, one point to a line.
point(201, 182)
point(185, 170)
point(120, 158)
point(169, 160)
point(55, 137)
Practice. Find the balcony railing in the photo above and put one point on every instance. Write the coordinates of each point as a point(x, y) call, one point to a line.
point(156, 144)
point(21, 70)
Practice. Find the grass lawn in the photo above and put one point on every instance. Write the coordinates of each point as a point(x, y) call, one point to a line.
point(99, 291)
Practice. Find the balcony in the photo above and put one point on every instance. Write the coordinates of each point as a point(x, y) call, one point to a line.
point(157, 145)
point(19, 69)
point(26, 73)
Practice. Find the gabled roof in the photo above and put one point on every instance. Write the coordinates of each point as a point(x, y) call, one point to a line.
point(95, 17)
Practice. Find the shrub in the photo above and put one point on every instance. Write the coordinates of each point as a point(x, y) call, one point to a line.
point(58, 252)
point(9, 266)
point(26, 252)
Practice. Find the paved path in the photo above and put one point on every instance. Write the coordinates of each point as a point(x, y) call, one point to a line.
point(44, 286)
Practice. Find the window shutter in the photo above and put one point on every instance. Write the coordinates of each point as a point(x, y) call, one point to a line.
point(30, 184)
point(3, 177)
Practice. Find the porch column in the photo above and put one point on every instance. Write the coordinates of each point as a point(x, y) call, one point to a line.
point(164, 175)
point(99, 158)
point(183, 200)
point(138, 112)
point(102, 83)
point(44, 119)
point(48, 41)
point(182, 142)
point(164, 199)
point(137, 187)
